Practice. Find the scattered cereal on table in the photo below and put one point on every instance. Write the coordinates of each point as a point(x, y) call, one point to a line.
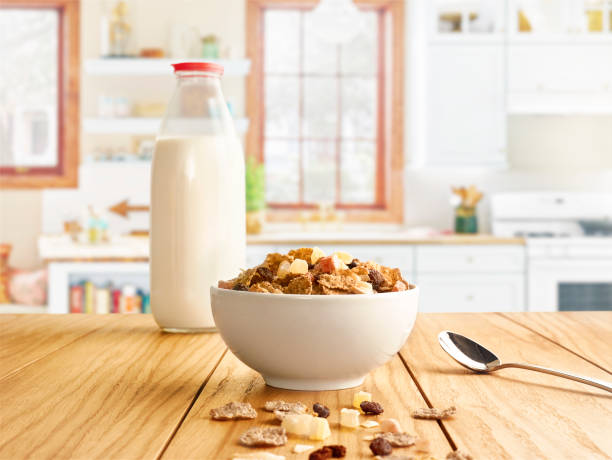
point(371, 408)
point(349, 418)
point(258, 456)
point(301, 448)
point(459, 455)
point(360, 397)
point(432, 413)
point(380, 446)
point(398, 439)
point(264, 437)
point(234, 411)
point(321, 410)
point(296, 407)
point(390, 425)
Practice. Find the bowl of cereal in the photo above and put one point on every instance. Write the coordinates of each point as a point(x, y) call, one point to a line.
point(307, 321)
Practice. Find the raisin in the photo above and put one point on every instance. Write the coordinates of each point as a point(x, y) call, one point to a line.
point(338, 450)
point(265, 273)
point(322, 454)
point(353, 263)
point(321, 410)
point(371, 408)
point(381, 446)
point(240, 287)
point(376, 278)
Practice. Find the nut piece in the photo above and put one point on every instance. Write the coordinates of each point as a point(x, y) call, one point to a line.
point(432, 413)
point(371, 408)
point(380, 446)
point(390, 425)
point(317, 253)
point(264, 436)
point(359, 397)
point(398, 439)
point(321, 410)
point(283, 269)
point(296, 407)
point(299, 267)
point(349, 418)
point(458, 455)
point(234, 411)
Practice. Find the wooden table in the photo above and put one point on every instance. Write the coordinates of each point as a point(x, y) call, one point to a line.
point(114, 386)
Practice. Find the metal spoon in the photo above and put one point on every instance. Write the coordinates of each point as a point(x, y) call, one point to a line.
point(478, 359)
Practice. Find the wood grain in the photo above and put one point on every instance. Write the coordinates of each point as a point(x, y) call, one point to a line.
point(586, 334)
point(513, 413)
point(118, 392)
point(201, 437)
point(28, 338)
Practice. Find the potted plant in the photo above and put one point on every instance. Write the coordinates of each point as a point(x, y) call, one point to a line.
point(255, 195)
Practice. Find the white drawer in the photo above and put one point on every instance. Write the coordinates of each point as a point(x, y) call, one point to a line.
point(471, 293)
point(460, 259)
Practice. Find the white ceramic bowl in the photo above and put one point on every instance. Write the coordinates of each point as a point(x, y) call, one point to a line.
point(314, 342)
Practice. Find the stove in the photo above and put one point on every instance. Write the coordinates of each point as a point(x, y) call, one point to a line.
point(569, 246)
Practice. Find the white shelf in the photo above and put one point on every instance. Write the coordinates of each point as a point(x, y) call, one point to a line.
point(152, 66)
point(138, 125)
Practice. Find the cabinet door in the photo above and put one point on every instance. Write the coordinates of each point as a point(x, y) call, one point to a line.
point(465, 102)
point(471, 293)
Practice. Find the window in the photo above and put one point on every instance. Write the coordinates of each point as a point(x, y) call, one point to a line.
point(322, 117)
point(38, 93)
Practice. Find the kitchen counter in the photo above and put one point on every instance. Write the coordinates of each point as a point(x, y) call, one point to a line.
point(136, 248)
point(114, 386)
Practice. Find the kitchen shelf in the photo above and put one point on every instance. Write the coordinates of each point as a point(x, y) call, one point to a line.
point(152, 66)
point(140, 125)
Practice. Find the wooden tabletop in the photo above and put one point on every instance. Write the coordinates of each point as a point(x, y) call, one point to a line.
point(114, 386)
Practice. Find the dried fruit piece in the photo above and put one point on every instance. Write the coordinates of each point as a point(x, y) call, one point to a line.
point(390, 425)
point(262, 273)
point(360, 397)
point(264, 436)
point(316, 254)
point(354, 263)
point(338, 450)
point(296, 407)
point(369, 424)
point(321, 454)
point(376, 278)
point(298, 424)
point(459, 455)
point(344, 256)
point(234, 411)
point(319, 429)
point(301, 448)
point(274, 259)
point(380, 446)
point(399, 286)
point(283, 269)
point(398, 439)
point(330, 264)
point(321, 410)
point(226, 284)
point(299, 266)
point(301, 284)
point(240, 287)
point(349, 418)
point(432, 413)
point(371, 408)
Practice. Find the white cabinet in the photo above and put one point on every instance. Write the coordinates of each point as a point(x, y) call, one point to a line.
point(466, 116)
point(470, 278)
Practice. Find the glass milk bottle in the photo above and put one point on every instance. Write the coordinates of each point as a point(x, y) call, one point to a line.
point(197, 201)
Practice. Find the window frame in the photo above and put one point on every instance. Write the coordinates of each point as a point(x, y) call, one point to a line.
point(65, 173)
point(388, 205)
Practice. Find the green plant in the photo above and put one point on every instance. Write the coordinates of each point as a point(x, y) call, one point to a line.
point(255, 185)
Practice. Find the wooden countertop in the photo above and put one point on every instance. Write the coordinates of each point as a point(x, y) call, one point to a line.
point(114, 386)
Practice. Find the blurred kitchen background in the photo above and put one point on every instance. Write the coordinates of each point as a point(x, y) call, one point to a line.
point(467, 142)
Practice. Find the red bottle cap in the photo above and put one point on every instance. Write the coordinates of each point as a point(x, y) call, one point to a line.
point(199, 67)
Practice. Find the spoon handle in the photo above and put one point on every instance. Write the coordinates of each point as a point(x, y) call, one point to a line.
point(578, 378)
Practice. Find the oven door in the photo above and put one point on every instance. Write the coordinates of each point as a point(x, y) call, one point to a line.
point(569, 285)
